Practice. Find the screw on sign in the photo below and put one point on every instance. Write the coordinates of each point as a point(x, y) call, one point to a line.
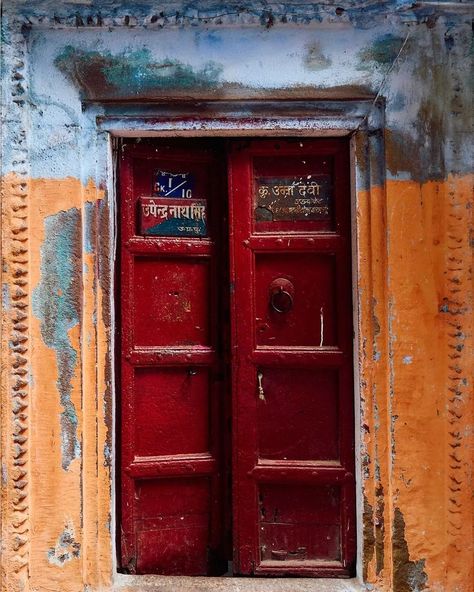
point(173, 185)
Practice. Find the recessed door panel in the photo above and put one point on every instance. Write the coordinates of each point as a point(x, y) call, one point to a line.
point(171, 301)
point(172, 410)
point(299, 524)
point(298, 416)
point(173, 518)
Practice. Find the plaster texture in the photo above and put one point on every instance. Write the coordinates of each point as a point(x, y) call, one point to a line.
point(67, 66)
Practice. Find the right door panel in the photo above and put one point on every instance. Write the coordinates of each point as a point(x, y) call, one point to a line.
point(293, 435)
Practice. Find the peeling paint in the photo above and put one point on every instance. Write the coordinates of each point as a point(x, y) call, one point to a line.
point(408, 575)
point(441, 104)
point(379, 529)
point(4, 474)
point(369, 537)
point(376, 331)
point(105, 275)
point(89, 227)
point(5, 297)
point(56, 302)
point(66, 548)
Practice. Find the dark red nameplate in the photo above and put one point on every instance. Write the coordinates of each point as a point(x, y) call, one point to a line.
point(292, 198)
point(162, 216)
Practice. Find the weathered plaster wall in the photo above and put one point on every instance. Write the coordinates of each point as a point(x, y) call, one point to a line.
point(414, 259)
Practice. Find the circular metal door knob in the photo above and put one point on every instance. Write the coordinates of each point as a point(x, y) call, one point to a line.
point(281, 295)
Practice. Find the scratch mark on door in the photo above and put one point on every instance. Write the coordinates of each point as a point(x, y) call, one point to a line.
point(321, 313)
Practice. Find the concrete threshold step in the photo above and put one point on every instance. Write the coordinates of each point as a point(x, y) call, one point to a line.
point(229, 584)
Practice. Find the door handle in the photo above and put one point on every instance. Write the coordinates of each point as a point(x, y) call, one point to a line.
point(261, 393)
point(281, 295)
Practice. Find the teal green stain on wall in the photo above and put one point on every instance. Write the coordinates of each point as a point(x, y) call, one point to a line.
point(57, 304)
point(136, 71)
point(383, 51)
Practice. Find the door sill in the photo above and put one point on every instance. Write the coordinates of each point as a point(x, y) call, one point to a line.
point(127, 583)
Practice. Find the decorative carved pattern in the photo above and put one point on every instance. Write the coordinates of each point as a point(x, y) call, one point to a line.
point(175, 14)
point(16, 524)
point(458, 309)
point(179, 14)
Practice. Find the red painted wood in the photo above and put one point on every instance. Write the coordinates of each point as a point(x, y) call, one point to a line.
point(171, 374)
point(293, 438)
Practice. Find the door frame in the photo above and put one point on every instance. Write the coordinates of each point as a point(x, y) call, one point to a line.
point(363, 122)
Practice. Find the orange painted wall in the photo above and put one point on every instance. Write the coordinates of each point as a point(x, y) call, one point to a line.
point(416, 375)
point(418, 417)
point(67, 516)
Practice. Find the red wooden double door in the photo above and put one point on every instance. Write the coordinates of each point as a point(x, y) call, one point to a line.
point(236, 408)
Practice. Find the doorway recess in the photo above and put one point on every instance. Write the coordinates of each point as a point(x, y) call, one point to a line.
point(237, 443)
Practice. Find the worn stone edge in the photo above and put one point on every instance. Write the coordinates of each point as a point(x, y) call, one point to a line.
point(178, 14)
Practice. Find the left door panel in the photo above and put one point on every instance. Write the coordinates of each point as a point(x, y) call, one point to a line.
point(170, 359)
